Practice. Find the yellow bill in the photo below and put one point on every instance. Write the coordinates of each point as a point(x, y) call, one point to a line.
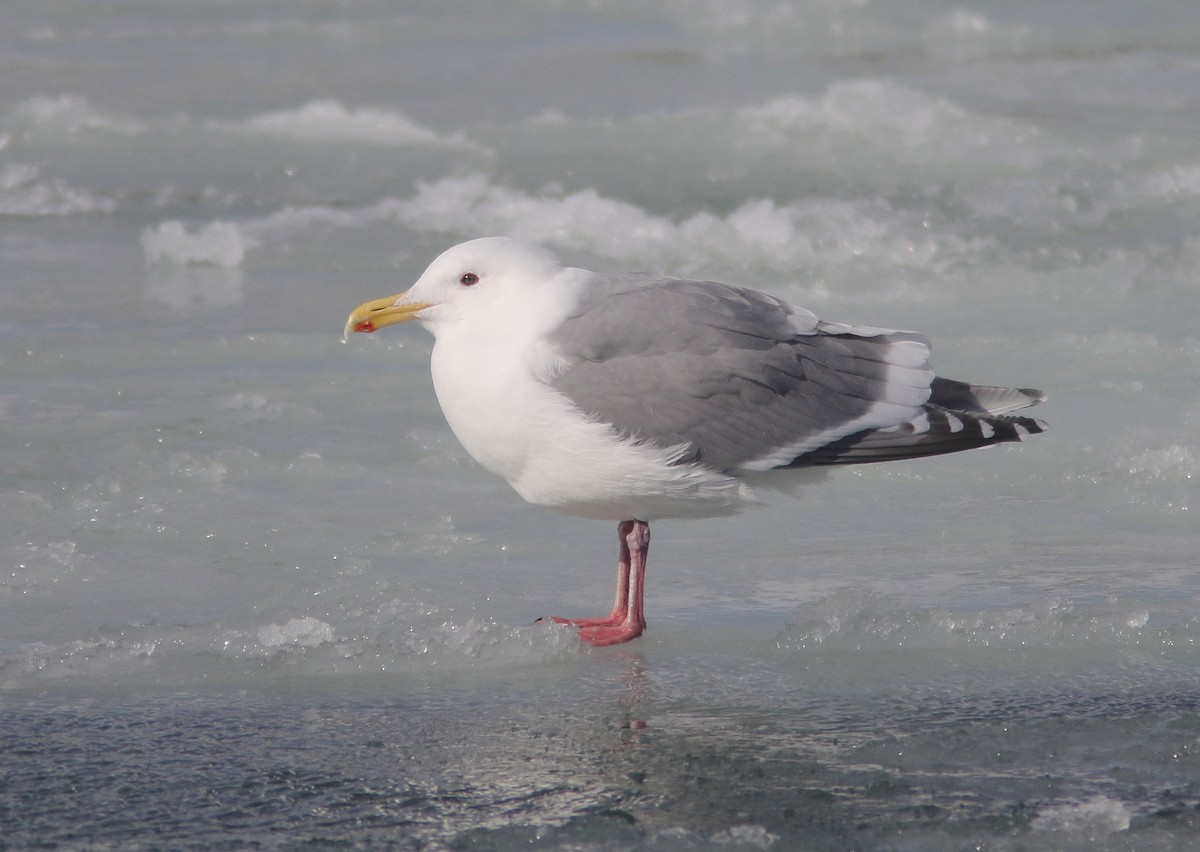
point(376, 314)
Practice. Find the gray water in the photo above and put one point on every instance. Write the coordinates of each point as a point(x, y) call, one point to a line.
point(253, 593)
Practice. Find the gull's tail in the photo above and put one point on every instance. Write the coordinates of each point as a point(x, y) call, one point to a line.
point(958, 416)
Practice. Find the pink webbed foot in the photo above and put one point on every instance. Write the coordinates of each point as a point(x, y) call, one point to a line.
point(626, 620)
point(614, 634)
point(599, 632)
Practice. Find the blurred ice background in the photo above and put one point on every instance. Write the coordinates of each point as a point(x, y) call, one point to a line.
point(253, 593)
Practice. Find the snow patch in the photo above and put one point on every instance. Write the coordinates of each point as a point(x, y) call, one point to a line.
point(329, 121)
point(23, 192)
point(217, 243)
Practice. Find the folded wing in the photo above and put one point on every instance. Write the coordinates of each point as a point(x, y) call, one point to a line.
point(743, 382)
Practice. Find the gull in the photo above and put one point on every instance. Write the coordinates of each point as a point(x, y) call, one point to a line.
point(634, 397)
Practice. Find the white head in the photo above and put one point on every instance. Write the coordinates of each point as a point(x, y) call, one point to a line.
point(483, 277)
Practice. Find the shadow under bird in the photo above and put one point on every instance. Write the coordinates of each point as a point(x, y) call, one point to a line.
point(638, 396)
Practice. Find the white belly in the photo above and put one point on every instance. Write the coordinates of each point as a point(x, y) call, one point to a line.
point(519, 428)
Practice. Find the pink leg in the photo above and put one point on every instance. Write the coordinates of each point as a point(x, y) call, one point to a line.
point(621, 604)
point(627, 619)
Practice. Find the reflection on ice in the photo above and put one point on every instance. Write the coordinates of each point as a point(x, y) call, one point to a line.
point(182, 288)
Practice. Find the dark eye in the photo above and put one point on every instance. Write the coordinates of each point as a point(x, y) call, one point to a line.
point(468, 279)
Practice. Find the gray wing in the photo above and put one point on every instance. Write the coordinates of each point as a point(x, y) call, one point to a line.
point(749, 383)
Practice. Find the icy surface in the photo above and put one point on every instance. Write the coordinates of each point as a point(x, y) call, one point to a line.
point(253, 593)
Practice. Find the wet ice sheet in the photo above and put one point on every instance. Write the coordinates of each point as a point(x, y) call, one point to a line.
point(729, 745)
point(247, 565)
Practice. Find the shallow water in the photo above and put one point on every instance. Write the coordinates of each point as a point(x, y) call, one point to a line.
point(252, 592)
